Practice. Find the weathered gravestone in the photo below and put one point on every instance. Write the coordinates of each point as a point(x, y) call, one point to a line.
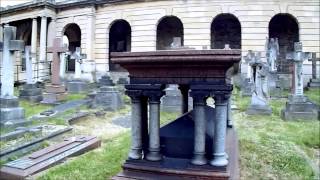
point(55, 91)
point(77, 85)
point(105, 80)
point(298, 106)
point(248, 82)
point(10, 112)
point(314, 81)
point(109, 98)
point(180, 149)
point(259, 96)
point(172, 101)
point(30, 90)
point(47, 157)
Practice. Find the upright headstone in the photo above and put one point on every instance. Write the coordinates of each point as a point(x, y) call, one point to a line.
point(298, 106)
point(172, 100)
point(30, 90)
point(109, 98)
point(259, 104)
point(55, 91)
point(248, 82)
point(10, 112)
point(315, 80)
point(77, 85)
point(105, 80)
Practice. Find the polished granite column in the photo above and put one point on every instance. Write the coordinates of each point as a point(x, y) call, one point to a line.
point(136, 131)
point(221, 106)
point(199, 103)
point(154, 125)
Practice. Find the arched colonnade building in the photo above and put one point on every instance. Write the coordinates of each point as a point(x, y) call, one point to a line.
point(101, 27)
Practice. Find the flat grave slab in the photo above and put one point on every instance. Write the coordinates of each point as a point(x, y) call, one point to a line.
point(47, 157)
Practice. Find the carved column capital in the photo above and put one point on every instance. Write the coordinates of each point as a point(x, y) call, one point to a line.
point(135, 95)
point(154, 95)
point(199, 97)
point(221, 97)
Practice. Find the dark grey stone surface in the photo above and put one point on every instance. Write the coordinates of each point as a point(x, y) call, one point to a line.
point(10, 112)
point(31, 92)
point(105, 81)
point(109, 98)
point(314, 83)
point(246, 87)
point(77, 86)
point(299, 107)
point(172, 100)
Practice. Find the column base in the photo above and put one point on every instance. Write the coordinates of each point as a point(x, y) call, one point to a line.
point(154, 156)
point(219, 160)
point(135, 154)
point(199, 159)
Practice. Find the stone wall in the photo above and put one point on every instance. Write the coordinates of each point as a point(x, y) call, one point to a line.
point(196, 17)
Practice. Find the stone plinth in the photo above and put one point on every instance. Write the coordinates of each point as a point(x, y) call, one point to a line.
point(77, 86)
point(105, 81)
point(314, 83)
point(10, 112)
point(31, 92)
point(109, 98)
point(299, 107)
point(258, 106)
point(54, 94)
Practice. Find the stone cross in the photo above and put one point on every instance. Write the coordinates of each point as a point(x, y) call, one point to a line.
point(314, 60)
point(55, 66)
point(28, 56)
point(10, 45)
point(298, 57)
point(78, 61)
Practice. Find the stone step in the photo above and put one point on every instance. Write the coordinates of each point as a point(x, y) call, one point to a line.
point(30, 92)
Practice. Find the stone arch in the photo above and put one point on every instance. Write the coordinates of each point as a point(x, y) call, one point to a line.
point(225, 29)
point(167, 28)
point(285, 27)
point(72, 32)
point(119, 40)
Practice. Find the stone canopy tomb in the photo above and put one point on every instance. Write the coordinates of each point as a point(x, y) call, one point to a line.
point(196, 145)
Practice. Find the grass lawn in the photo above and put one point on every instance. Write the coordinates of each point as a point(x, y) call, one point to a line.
point(270, 148)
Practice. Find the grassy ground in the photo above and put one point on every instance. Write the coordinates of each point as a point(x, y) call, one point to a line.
point(270, 148)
